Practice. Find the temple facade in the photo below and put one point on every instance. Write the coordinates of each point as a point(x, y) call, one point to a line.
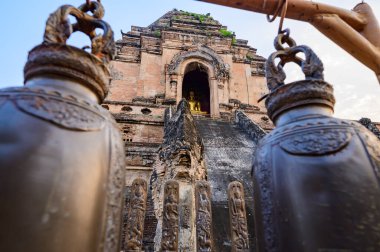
point(184, 91)
point(185, 52)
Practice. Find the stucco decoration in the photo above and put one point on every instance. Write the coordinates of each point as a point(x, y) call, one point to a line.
point(170, 230)
point(204, 219)
point(136, 215)
point(202, 52)
point(238, 217)
point(180, 159)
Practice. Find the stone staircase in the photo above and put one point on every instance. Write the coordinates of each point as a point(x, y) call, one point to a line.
point(228, 153)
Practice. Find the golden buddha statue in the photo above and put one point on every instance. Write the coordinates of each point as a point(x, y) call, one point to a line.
point(195, 105)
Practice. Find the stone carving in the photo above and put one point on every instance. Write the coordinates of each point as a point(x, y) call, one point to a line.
point(320, 143)
point(185, 215)
point(169, 241)
point(222, 70)
point(238, 217)
point(136, 215)
point(179, 158)
point(204, 220)
point(180, 155)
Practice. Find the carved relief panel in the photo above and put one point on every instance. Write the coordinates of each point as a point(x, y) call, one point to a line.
point(238, 217)
point(169, 241)
point(136, 215)
point(204, 217)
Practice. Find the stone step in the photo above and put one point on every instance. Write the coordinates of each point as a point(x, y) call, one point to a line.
point(218, 133)
point(228, 155)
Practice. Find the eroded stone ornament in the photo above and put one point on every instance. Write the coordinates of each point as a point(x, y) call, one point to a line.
point(204, 217)
point(179, 160)
point(170, 220)
point(316, 177)
point(61, 154)
point(238, 217)
point(136, 215)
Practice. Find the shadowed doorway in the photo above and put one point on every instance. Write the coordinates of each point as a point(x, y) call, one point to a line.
point(196, 84)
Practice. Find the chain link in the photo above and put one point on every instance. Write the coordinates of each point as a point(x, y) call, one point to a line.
point(88, 2)
point(282, 8)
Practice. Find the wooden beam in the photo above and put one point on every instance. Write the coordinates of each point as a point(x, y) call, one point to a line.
point(357, 31)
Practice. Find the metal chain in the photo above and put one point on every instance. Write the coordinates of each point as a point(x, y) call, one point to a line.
point(88, 2)
point(282, 8)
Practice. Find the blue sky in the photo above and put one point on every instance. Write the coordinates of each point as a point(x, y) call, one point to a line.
point(356, 88)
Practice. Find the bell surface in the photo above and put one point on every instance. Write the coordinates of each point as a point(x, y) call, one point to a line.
point(316, 178)
point(61, 154)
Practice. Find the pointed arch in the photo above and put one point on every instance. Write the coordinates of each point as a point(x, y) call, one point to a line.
point(203, 53)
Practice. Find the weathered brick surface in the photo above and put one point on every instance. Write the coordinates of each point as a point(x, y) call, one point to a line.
point(150, 76)
point(124, 82)
point(146, 74)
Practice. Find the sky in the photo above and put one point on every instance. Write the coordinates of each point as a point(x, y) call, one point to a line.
point(357, 90)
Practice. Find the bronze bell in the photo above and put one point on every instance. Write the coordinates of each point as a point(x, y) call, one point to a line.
point(61, 154)
point(316, 178)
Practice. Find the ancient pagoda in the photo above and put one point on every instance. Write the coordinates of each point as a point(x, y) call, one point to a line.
point(188, 162)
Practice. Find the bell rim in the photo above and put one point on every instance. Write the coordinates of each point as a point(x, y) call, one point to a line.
point(297, 94)
point(68, 62)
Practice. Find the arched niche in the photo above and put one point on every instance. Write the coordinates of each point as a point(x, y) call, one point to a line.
point(202, 53)
point(209, 61)
point(186, 69)
point(196, 81)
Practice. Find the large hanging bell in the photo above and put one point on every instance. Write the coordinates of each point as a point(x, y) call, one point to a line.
point(316, 178)
point(61, 154)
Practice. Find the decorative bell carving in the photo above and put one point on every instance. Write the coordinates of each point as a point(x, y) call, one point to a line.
point(61, 154)
point(316, 177)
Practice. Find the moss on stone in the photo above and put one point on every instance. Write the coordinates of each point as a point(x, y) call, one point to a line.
point(249, 57)
point(226, 33)
point(157, 33)
point(200, 17)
